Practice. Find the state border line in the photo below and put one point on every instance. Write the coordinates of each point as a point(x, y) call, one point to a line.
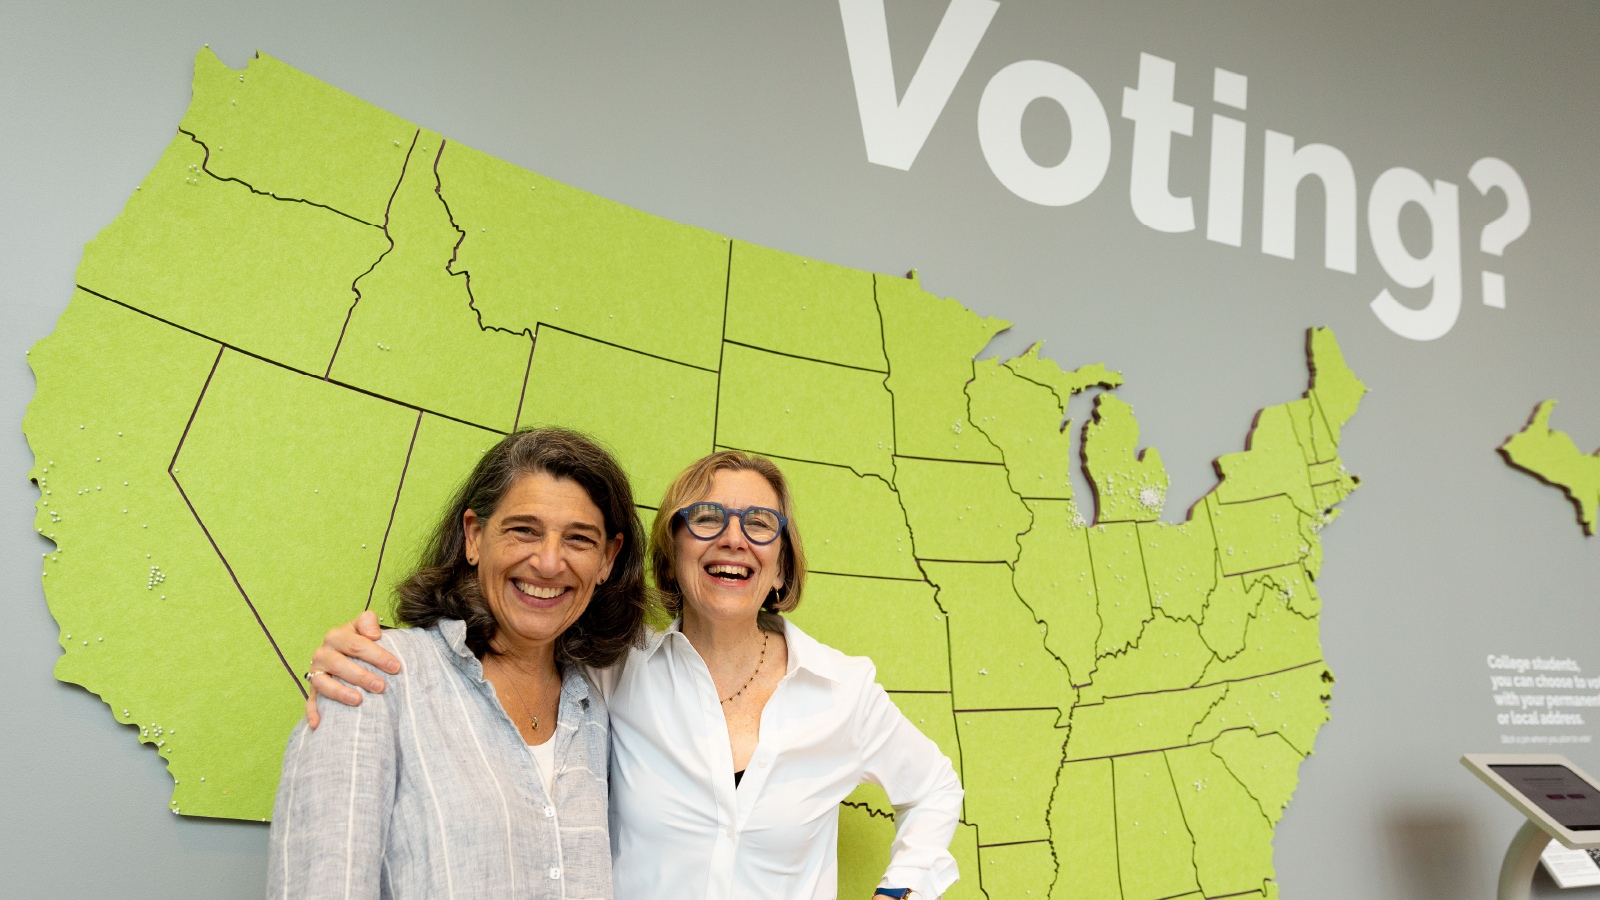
point(1070, 760)
point(812, 359)
point(589, 337)
point(1201, 687)
point(722, 342)
point(814, 462)
point(259, 358)
point(466, 276)
point(221, 557)
point(399, 489)
point(1012, 843)
point(999, 709)
point(877, 577)
point(205, 166)
point(354, 289)
point(962, 462)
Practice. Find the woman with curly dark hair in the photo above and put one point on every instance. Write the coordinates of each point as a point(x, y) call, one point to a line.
point(483, 769)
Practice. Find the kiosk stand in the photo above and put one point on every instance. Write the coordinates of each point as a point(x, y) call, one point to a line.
point(1558, 799)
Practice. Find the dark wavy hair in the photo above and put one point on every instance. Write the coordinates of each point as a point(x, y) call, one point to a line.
point(444, 586)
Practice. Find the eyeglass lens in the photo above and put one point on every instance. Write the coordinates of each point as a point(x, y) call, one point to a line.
point(707, 520)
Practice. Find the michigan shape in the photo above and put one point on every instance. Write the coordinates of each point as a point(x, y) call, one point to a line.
point(1129, 486)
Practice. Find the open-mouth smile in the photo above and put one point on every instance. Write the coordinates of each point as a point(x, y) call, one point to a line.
point(540, 595)
point(728, 572)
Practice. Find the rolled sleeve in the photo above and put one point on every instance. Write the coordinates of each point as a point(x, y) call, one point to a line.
point(331, 817)
point(924, 790)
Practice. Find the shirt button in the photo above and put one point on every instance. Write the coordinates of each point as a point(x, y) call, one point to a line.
point(763, 762)
point(549, 812)
point(555, 872)
point(730, 832)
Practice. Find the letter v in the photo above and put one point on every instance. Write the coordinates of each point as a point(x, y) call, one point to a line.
point(895, 132)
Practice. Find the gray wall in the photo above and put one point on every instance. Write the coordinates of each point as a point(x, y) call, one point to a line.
point(741, 117)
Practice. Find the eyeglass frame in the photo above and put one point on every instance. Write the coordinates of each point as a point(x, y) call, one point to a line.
point(682, 515)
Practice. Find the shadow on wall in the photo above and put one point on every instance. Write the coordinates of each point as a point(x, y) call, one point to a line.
point(1439, 854)
point(1442, 854)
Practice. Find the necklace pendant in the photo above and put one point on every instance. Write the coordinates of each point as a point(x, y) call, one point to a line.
point(535, 722)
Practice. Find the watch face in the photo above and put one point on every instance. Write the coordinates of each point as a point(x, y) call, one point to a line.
point(1559, 791)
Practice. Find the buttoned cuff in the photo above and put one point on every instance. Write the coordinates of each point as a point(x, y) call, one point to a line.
point(920, 881)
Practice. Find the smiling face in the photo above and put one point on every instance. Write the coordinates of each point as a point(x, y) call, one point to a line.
point(728, 577)
point(539, 557)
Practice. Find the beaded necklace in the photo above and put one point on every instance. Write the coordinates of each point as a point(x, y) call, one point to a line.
point(765, 636)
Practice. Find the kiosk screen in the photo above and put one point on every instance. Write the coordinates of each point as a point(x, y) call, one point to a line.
point(1558, 791)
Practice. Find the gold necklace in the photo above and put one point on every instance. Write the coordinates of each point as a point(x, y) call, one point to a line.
point(765, 636)
point(526, 709)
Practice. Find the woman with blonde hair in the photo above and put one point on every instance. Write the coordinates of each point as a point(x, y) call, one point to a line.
point(734, 734)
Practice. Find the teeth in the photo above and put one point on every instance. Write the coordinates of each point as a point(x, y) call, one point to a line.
point(736, 571)
point(542, 593)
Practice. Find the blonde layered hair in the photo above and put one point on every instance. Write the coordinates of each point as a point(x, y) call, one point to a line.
point(690, 487)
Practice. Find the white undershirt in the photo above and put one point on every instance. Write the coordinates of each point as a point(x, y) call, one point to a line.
point(544, 756)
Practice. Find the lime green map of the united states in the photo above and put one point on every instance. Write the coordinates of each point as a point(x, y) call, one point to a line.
point(312, 317)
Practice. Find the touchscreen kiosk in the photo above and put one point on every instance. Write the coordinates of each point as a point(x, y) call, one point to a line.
point(1557, 790)
point(1557, 799)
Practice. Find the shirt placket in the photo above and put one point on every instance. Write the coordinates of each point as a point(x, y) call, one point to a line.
point(736, 804)
point(719, 885)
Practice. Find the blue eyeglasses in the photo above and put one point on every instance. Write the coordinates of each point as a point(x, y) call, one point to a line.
point(707, 520)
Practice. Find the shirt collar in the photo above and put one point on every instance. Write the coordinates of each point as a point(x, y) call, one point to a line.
point(454, 632)
point(805, 651)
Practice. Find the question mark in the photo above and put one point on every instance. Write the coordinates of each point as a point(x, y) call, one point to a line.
point(1486, 174)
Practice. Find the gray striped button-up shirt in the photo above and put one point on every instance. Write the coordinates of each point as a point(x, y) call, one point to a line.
point(428, 790)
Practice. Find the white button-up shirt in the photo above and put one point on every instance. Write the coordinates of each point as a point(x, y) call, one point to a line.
point(680, 828)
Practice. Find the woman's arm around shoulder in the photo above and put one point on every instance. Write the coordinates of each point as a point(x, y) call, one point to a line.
point(336, 665)
point(331, 818)
point(922, 786)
